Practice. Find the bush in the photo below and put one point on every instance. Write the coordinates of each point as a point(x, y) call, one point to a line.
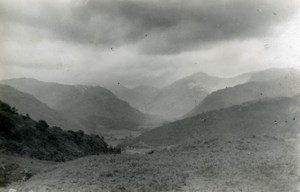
point(42, 125)
point(116, 150)
point(7, 124)
point(27, 132)
point(14, 110)
point(80, 133)
point(5, 108)
point(57, 129)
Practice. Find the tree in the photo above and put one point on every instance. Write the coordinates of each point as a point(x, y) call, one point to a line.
point(14, 110)
point(7, 124)
point(5, 108)
point(42, 125)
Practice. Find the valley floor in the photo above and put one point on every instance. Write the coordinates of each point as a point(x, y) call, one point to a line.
point(250, 164)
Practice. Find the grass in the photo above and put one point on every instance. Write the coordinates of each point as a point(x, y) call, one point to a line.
point(250, 164)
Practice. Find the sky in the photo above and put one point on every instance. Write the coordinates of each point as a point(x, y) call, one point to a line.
point(151, 42)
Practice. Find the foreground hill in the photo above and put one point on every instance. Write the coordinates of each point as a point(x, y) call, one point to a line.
point(27, 104)
point(20, 135)
point(240, 164)
point(93, 108)
point(268, 83)
point(277, 117)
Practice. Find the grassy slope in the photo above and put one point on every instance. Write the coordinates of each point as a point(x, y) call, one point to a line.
point(246, 164)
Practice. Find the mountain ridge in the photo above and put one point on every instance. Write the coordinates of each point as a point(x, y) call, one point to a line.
point(92, 107)
point(261, 84)
point(273, 117)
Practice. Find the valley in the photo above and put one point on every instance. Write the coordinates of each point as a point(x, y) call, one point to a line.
point(236, 140)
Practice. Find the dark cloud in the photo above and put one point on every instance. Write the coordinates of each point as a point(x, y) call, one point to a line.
point(156, 27)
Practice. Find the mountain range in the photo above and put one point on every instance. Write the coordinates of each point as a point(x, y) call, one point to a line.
point(268, 83)
point(183, 97)
point(241, 131)
point(97, 110)
point(90, 108)
point(173, 101)
point(277, 118)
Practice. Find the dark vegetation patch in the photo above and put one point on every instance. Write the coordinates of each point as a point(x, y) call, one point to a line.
point(21, 135)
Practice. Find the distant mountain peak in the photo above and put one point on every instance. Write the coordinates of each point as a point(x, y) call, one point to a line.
point(22, 79)
point(143, 87)
point(199, 75)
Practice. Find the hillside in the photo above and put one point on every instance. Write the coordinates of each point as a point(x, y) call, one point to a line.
point(276, 74)
point(258, 163)
point(27, 104)
point(22, 136)
point(277, 117)
point(94, 108)
point(216, 166)
point(246, 92)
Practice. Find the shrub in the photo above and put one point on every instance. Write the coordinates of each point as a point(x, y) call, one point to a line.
point(28, 116)
point(52, 138)
point(42, 125)
point(5, 108)
point(80, 133)
point(7, 124)
point(116, 150)
point(57, 129)
point(27, 132)
point(14, 110)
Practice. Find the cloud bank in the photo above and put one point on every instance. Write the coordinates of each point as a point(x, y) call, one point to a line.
point(155, 27)
point(153, 41)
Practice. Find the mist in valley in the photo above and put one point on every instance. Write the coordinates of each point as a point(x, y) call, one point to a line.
point(112, 96)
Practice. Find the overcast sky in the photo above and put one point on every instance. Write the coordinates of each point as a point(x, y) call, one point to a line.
point(145, 42)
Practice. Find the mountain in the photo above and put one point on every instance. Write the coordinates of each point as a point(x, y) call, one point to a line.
point(208, 82)
point(93, 107)
point(138, 97)
point(169, 102)
point(20, 135)
point(276, 74)
point(268, 83)
point(178, 98)
point(182, 96)
point(27, 104)
point(276, 118)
